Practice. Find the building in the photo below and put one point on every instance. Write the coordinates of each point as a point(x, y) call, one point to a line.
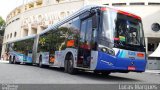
point(35, 16)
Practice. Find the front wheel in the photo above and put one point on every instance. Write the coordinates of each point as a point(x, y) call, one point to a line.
point(69, 65)
point(106, 73)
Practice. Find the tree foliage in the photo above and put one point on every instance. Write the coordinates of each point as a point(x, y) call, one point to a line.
point(58, 1)
point(2, 26)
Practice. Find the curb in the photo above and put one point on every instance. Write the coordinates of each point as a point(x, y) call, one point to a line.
point(2, 61)
point(153, 71)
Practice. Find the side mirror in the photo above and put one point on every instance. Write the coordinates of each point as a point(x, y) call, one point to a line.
point(94, 21)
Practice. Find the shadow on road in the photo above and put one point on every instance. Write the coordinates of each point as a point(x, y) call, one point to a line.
point(110, 77)
point(89, 75)
point(98, 77)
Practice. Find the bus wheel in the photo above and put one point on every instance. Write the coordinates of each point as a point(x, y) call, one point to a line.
point(97, 72)
point(66, 66)
point(71, 69)
point(10, 60)
point(40, 62)
point(106, 73)
point(14, 60)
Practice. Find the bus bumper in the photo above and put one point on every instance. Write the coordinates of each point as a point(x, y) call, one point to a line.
point(112, 63)
point(130, 65)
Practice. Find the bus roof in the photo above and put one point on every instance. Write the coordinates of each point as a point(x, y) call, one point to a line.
point(77, 13)
point(82, 10)
point(24, 38)
point(72, 16)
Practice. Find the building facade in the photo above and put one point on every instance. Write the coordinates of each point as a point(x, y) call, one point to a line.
point(35, 16)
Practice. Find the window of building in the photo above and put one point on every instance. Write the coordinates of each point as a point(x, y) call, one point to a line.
point(17, 18)
point(15, 34)
point(39, 2)
point(106, 4)
point(137, 3)
point(63, 14)
point(13, 20)
point(18, 11)
point(118, 4)
point(153, 3)
point(39, 17)
point(34, 31)
point(153, 58)
point(7, 36)
point(26, 7)
point(68, 13)
point(60, 1)
point(11, 35)
point(31, 5)
point(150, 47)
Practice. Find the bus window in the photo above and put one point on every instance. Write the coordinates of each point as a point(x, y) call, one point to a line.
point(83, 30)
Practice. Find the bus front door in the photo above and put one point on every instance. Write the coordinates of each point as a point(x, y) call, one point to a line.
point(84, 51)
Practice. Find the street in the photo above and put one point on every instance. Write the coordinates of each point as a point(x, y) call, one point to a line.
point(27, 74)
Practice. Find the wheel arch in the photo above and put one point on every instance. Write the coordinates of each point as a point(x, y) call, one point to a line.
point(70, 51)
point(67, 55)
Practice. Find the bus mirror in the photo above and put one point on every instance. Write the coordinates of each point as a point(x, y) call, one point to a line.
point(94, 21)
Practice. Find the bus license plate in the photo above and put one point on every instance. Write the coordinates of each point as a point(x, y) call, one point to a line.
point(131, 68)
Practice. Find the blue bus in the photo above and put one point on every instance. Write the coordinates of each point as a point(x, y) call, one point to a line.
point(95, 38)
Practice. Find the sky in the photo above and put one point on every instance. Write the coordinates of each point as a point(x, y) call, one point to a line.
point(6, 6)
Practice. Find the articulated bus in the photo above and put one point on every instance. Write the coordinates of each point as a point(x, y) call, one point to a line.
point(95, 38)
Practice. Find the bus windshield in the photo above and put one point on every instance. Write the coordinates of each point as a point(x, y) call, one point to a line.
point(125, 31)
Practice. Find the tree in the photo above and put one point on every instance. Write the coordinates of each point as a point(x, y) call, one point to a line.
point(2, 26)
point(58, 1)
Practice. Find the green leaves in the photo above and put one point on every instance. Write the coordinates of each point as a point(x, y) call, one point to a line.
point(1, 21)
point(2, 26)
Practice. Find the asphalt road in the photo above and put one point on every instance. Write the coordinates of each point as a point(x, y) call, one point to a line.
point(27, 74)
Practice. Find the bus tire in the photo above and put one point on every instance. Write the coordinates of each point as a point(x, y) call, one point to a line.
point(10, 60)
point(70, 65)
point(14, 60)
point(106, 73)
point(97, 72)
point(66, 66)
point(40, 62)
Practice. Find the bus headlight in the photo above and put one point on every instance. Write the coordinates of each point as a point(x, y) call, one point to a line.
point(108, 51)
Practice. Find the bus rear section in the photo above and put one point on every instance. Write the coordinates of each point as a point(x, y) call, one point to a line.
point(20, 51)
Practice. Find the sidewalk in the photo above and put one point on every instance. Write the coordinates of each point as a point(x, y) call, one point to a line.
point(4, 61)
point(153, 71)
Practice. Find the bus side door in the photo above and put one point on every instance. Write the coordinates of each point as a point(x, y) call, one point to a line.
point(84, 52)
